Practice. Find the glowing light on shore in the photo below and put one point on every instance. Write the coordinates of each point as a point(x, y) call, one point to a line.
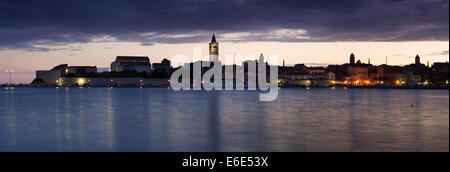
point(81, 82)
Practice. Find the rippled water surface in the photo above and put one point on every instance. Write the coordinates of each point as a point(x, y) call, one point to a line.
point(130, 119)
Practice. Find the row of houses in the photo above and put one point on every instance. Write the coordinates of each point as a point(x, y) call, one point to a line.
point(361, 74)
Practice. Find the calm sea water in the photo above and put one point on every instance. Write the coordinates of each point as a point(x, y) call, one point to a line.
point(130, 119)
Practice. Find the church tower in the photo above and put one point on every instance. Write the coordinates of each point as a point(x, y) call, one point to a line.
point(213, 49)
point(417, 60)
point(352, 58)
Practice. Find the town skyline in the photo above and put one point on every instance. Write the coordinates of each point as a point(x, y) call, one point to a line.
point(39, 35)
point(24, 74)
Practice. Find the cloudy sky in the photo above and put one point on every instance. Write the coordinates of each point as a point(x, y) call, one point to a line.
point(39, 34)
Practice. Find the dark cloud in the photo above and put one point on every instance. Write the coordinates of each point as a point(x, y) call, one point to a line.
point(27, 24)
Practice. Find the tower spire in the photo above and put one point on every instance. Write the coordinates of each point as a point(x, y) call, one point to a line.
point(213, 40)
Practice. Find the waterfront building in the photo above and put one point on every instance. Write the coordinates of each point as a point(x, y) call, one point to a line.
point(80, 70)
point(440, 67)
point(359, 72)
point(300, 78)
point(50, 77)
point(316, 71)
point(296, 78)
point(340, 71)
point(391, 75)
point(414, 78)
point(295, 75)
point(439, 73)
point(127, 64)
point(331, 76)
point(162, 70)
point(373, 75)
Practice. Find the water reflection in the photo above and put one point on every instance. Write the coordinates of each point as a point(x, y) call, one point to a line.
point(8, 119)
point(128, 119)
point(109, 123)
point(213, 123)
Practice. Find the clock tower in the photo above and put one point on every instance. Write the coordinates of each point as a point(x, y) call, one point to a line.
point(213, 49)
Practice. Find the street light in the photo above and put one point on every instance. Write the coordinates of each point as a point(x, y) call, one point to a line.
point(10, 71)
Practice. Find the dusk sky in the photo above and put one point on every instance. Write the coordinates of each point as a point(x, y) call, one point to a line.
point(40, 34)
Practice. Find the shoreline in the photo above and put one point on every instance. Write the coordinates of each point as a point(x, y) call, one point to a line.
point(341, 87)
point(385, 87)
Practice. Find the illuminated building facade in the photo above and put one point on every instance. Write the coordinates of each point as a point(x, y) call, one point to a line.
point(53, 77)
